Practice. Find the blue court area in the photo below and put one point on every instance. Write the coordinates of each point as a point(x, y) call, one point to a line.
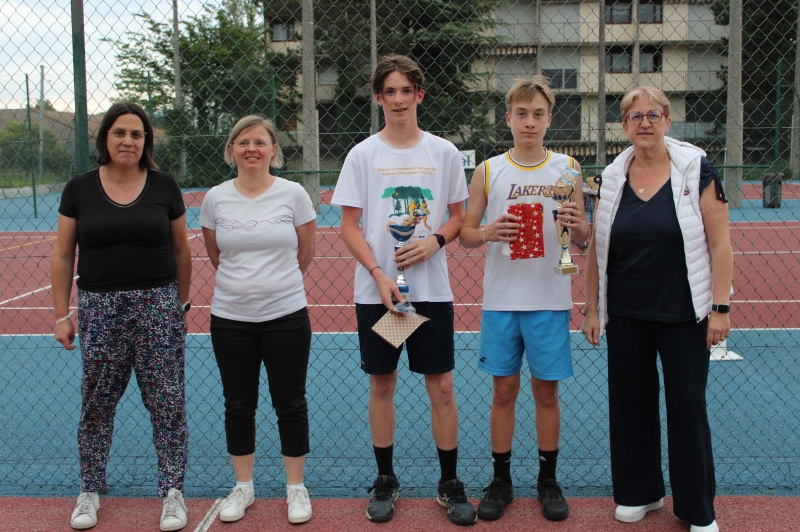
point(753, 409)
point(17, 214)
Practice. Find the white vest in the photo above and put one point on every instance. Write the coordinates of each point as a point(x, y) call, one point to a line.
point(685, 179)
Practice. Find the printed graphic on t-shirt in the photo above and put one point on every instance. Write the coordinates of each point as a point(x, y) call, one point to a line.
point(225, 225)
point(409, 207)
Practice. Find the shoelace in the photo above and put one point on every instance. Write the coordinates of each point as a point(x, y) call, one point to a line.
point(236, 497)
point(383, 491)
point(494, 489)
point(171, 506)
point(297, 498)
point(457, 494)
point(85, 503)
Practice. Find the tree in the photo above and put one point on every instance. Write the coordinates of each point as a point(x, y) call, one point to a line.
point(228, 70)
point(443, 37)
point(19, 149)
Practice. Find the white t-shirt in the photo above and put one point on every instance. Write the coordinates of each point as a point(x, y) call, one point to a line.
point(389, 185)
point(258, 278)
point(525, 284)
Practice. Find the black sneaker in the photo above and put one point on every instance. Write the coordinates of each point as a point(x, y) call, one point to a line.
point(498, 495)
point(452, 496)
point(381, 506)
point(554, 505)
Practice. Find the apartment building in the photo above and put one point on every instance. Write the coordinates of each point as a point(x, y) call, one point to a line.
point(674, 45)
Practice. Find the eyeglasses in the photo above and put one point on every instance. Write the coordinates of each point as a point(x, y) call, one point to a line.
point(243, 144)
point(120, 134)
point(653, 116)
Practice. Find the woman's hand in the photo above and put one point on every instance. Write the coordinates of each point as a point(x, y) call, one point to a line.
point(65, 334)
point(591, 326)
point(504, 229)
point(719, 328)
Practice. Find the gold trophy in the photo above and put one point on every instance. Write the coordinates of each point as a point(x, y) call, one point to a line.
point(562, 192)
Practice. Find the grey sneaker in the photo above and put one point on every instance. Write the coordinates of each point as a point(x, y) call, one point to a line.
point(384, 492)
point(173, 515)
point(459, 510)
point(554, 505)
point(497, 496)
point(240, 499)
point(85, 513)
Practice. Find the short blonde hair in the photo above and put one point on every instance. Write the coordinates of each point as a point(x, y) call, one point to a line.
point(658, 97)
point(525, 90)
point(246, 123)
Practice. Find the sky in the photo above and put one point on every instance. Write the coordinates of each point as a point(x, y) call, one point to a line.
point(40, 33)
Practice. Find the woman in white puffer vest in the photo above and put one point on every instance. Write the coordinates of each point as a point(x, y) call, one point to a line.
point(658, 280)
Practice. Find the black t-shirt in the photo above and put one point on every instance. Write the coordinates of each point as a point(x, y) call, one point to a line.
point(123, 247)
point(647, 274)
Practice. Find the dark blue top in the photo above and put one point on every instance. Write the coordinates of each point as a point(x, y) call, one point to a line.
point(647, 274)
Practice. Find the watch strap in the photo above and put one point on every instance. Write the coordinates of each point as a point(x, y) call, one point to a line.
point(722, 309)
point(440, 239)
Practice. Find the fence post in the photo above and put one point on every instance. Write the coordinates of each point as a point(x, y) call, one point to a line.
point(79, 74)
point(734, 134)
point(310, 132)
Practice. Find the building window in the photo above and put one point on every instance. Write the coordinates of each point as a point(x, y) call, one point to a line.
point(562, 78)
point(650, 12)
point(283, 31)
point(708, 109)
point(566, 124)
point(613, 110)
point(618, 59)
point(618, 12)
point(650, 59)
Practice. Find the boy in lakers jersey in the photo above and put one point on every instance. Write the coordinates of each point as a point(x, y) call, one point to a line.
point(526, 305)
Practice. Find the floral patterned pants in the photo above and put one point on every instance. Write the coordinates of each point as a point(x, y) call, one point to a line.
point(140, 330)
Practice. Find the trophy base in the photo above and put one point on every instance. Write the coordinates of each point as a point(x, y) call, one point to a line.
point(566, 269)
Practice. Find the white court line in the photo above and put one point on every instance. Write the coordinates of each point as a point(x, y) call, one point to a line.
point(208, 519)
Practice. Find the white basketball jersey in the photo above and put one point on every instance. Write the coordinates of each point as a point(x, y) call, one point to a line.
point(530, 283)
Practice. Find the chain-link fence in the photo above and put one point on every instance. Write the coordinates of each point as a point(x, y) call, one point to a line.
point(729, 68)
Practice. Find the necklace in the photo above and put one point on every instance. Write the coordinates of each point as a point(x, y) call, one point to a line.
point(641, 190)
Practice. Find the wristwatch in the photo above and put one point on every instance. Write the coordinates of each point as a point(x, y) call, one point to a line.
point(186, 306)
point(440, 239)
point(721, 309)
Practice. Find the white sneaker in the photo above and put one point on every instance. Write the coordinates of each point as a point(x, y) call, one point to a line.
point(236, 503)
point(713, 527)
point(85, 513)
point(631, 514)
point(299, 505)
point(173, 516)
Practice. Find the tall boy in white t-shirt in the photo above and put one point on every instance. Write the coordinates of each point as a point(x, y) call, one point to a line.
point(405, 176)
point(526, 305)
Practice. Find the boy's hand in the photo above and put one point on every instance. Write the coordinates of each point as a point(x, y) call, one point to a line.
point(504, 229)
point(569, 215)
point(387, 288)
point(416, 252)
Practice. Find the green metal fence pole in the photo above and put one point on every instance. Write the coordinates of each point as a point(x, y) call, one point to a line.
point(776, 149)
point(79, 73)
point(31, 160)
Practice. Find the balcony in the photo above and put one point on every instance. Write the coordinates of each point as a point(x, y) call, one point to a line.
point(561, 33)
point(517, 33)
point(667, 80)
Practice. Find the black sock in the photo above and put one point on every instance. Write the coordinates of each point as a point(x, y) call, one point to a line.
point(383, 455)
point(547, 464)
point(448, 461)
point(502, 465)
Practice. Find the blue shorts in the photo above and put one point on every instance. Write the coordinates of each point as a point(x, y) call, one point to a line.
point(542, 334)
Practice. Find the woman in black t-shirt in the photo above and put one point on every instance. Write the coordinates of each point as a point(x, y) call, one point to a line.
point(134, 273)
point(659, 274)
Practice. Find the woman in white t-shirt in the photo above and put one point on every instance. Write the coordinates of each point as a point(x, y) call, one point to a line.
point(260, 231)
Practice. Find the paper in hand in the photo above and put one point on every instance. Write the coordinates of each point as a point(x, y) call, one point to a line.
point(530, 239)
point(395, 328)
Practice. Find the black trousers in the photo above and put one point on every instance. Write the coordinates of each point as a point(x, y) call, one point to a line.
point(283, 345)
point(633, 396)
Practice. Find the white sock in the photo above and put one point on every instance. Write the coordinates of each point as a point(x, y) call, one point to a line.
point(244, 484)
point(295, 486)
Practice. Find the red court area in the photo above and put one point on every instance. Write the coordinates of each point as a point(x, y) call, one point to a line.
point(734, 514)
point(765, 279)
